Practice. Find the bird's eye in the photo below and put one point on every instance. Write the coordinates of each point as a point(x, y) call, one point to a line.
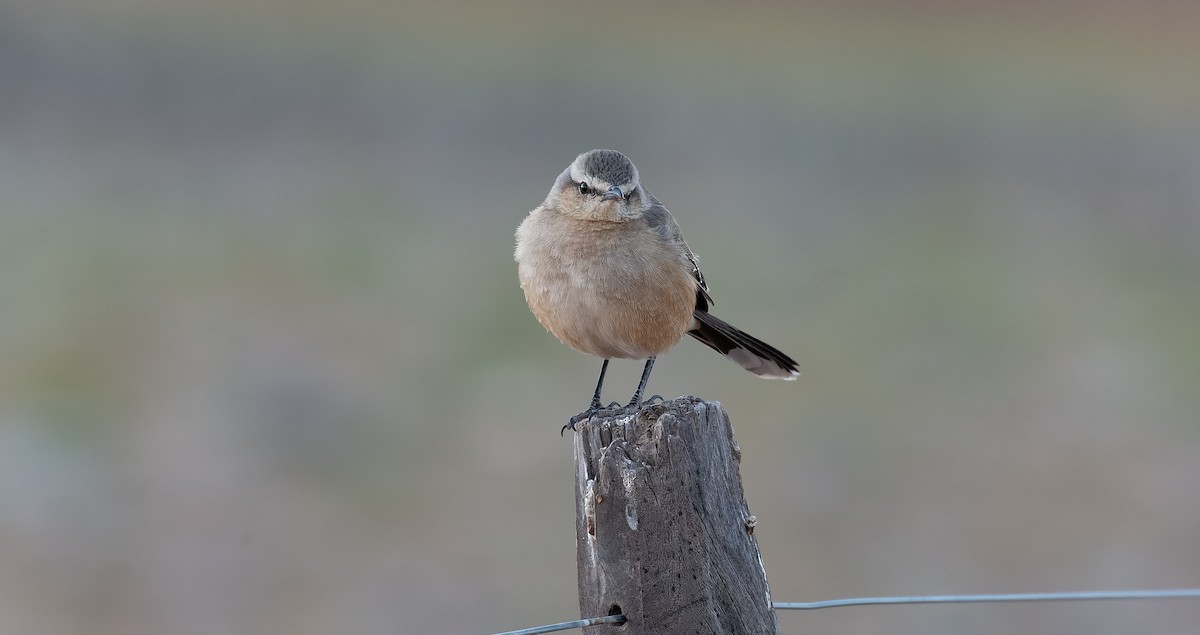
point(583, 188)
point(628, 195)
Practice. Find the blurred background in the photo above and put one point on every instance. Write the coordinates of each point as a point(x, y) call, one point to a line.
point(265, 366)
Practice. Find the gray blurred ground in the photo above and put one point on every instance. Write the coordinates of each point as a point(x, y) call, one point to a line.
point(265, 367)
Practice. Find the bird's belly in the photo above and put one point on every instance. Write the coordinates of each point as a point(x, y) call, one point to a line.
point(610, 306)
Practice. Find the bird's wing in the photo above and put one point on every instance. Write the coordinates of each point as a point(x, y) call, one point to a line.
point(661, 221)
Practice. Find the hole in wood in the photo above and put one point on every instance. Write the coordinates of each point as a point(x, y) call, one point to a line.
point(616, 610)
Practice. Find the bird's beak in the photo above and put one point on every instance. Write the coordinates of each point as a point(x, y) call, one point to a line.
point(613, 194)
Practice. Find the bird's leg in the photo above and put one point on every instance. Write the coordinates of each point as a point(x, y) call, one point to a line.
point(592, 408)
point(637, 396)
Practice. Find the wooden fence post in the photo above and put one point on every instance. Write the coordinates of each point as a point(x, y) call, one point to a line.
point(664, 534)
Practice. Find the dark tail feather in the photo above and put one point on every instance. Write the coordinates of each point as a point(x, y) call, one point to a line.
point(749, 352)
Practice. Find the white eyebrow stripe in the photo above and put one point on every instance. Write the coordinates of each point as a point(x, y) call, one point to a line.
point(578, 176)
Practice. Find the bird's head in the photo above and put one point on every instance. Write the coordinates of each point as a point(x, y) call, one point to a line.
point(599, 185)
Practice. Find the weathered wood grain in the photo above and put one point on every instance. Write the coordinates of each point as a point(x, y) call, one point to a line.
point(664, 534)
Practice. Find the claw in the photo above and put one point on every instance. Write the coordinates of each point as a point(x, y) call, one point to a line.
point(592, 409)
point(616, 407)
point(636, 406)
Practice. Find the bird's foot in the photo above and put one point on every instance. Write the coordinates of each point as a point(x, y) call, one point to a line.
point(613, 408)
point(592, 410)
point(636, 405)
point(597, 408)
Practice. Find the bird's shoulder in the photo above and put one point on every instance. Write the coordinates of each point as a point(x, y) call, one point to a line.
point(660, 220)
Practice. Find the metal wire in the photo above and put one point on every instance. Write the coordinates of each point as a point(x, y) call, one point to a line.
point(1160, 594)
point(566, 626)
point(1002, 597)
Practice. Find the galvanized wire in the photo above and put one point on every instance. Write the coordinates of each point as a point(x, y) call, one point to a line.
point(1001, 597)
point(566, 626)
point(1145, 594)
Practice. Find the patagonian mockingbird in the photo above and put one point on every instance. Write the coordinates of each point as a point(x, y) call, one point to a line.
point(606, 270)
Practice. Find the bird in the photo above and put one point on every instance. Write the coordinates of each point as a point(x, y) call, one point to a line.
point(605, 269)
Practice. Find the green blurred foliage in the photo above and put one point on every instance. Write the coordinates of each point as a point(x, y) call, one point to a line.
point(265, 366)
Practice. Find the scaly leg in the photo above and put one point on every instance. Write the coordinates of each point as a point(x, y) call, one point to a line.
point(592, 408)
point(637, 396)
